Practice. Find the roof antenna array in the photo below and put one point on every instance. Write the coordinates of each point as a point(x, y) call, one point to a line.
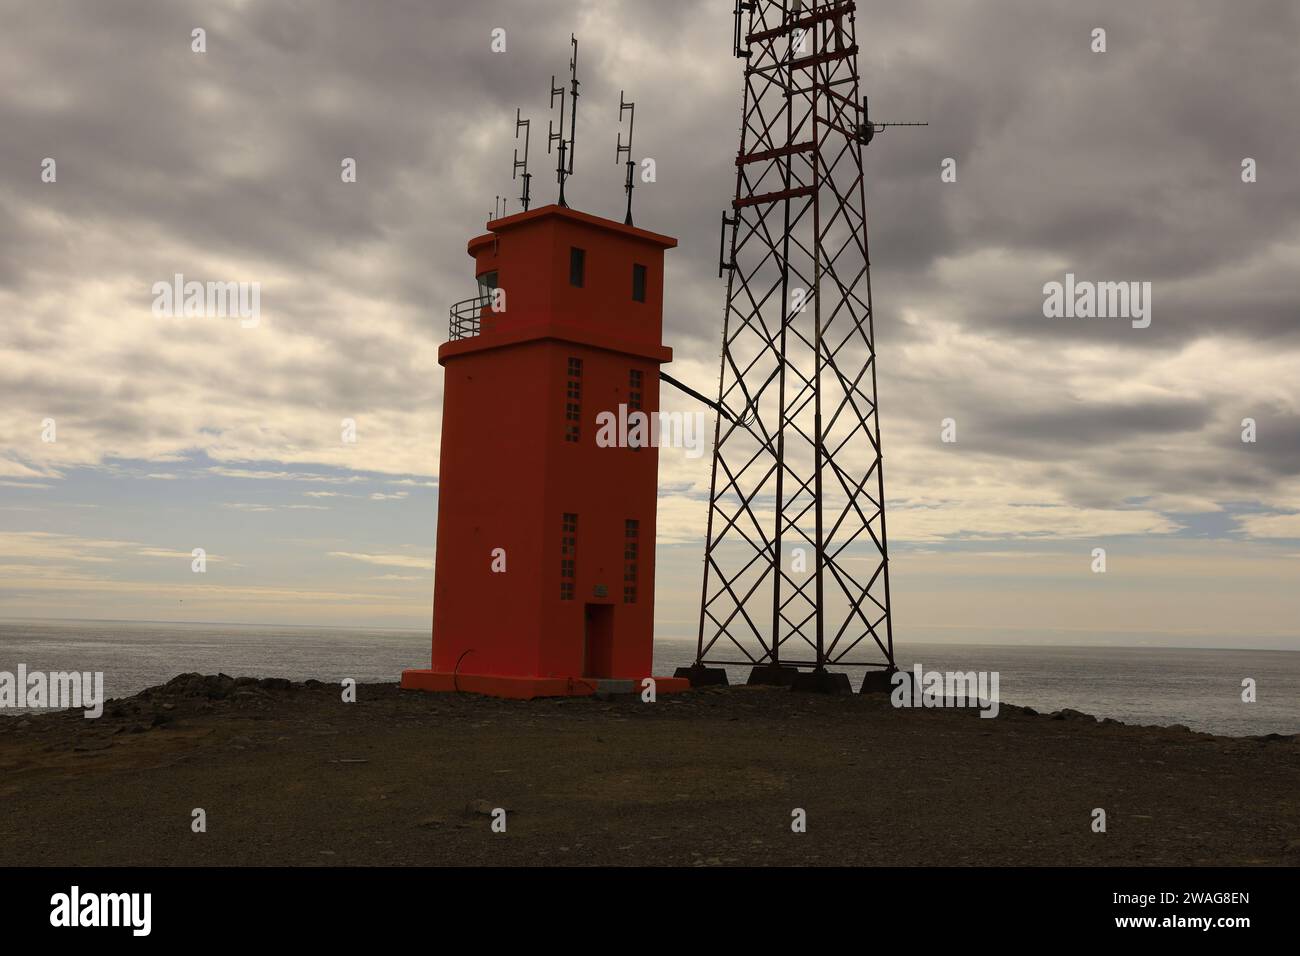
point(620, 149)
point(522, 163)
point(564, 167)
point(867, 129)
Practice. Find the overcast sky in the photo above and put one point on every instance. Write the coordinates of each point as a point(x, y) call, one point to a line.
point(225, 165)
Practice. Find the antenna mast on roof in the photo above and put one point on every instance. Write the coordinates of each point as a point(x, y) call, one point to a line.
point(522, 163)
point(564, 166)
point(620, 149)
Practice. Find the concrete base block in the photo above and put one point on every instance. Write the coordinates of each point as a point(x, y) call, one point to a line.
point(526, 688)
point(701, 676)
point(880, 682)
point(823, 682)
point(774, 675)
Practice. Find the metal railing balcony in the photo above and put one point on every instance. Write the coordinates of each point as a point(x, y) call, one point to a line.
point(465, 317)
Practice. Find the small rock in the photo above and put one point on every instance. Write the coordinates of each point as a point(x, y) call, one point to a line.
point(1068, 713)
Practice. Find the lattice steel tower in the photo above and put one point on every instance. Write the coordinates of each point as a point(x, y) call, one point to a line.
point(796, 571)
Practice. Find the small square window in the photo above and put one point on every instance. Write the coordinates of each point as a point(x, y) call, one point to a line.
point(638, 283)
point(577, 266)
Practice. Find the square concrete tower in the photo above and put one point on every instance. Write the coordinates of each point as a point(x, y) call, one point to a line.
point(544, 582)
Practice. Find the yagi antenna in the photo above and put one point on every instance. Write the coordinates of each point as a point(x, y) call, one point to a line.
point(524, 198)
point(564, 166)
point(867, 129)
point(620, 149)
point(552, 136)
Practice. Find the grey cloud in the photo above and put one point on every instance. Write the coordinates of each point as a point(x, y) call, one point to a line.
point(1120, 166)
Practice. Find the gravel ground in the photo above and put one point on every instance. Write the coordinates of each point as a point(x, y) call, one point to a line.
point(289, 774)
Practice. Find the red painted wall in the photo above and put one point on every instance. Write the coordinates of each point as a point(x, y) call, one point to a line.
point(507, 474)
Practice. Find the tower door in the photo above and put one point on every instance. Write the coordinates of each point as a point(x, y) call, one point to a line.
point(599, 641)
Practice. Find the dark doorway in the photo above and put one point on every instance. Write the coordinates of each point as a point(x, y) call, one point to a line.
point(599, 641)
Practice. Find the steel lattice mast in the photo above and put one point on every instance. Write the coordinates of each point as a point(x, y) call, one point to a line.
point(800, 469)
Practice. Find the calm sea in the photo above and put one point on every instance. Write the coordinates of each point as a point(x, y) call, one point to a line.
point(1199, 688)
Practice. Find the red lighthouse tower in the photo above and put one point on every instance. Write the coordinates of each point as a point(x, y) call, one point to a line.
point(545, 565)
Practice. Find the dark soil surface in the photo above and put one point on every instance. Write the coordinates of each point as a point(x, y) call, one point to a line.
point(289, 774)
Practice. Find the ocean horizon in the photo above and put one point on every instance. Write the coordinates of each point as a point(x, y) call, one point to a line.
point(1198, 687)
